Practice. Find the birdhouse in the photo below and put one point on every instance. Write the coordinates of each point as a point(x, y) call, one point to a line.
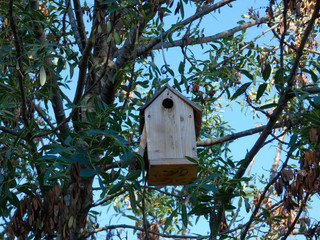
point(170, 124)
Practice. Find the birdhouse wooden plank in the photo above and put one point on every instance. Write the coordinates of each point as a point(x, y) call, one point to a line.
point(171, 122)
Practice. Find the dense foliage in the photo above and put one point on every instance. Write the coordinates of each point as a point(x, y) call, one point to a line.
point(74, 75)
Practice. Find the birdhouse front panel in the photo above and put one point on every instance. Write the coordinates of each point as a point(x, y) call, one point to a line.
point(170, 131)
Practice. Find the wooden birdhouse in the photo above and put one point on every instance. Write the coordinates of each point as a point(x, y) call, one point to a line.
point(169, 125)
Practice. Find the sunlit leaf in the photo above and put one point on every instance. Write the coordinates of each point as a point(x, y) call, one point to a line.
point(43, 76)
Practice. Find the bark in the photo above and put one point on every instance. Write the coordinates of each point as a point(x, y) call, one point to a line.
point(125, 55)
point(233, 136)
point(74, 27)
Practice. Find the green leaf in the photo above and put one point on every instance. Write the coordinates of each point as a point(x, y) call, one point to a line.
point(43, 76)
point(266, 72)
point(191, 159)
point(184, 216)
point(113, 9)
point(181, 68)
point(127, 155)
point(212, 176)
point(87, 172)
point(247, 205)
point(266, 213)
point(115, 188)
point(261, 90)
point(79, 158)
point(176, 83)
point(210, 188)
point(312, 74)
point(293, 140)
point(93, 132)
point(169, 219)
point(240, 90)
point(200, 209)
point(245, 72)
point(270, 105)
point(133, 175)
point(70, 222)
point(132, 197)
point(107, 2)
point(47, 174)
point(101, 184)
point(313, 118)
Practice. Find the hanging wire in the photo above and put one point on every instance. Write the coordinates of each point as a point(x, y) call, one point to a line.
point(165, 67)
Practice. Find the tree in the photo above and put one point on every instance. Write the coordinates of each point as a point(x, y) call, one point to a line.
point(73, 76)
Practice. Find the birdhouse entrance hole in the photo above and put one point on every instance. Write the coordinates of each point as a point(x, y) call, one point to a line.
point(167, 103)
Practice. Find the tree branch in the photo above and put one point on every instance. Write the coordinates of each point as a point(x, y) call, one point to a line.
point(125, 54)
point(74, 27)
point(227, 33)
point(83, 65)
point(234, 136)
point(81, 27)
point(157, 40)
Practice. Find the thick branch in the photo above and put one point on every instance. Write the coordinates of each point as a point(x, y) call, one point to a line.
point(125, 54)
point(81, 27)
point(74, 27)
point(83, 65)
point(157, 40)
point(227, 33)
point(234, 136)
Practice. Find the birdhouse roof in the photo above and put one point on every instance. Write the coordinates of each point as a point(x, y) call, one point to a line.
point(196, 108)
